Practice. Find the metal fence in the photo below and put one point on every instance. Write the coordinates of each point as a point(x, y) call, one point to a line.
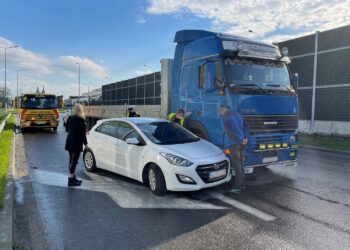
point(322, 61)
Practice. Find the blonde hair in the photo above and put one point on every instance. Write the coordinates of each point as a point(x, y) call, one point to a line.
point(78, 110)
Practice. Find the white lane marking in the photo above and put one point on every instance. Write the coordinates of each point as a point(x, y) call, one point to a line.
point(244, 207)
point(125, 194)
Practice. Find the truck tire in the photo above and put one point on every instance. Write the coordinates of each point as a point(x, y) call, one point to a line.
point(156, 180)
point(89, 161)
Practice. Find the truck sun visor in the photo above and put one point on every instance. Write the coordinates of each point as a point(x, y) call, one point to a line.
point(253, 50)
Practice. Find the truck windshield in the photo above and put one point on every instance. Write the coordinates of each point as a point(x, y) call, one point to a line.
point(39, 102)
point(167, 133)
point(261, 77)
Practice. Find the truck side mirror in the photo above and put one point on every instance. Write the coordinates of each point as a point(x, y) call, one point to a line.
point(210, 77)
point(295, 78)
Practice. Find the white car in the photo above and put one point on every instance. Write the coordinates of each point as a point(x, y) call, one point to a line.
point(68, 113)
point(157, 152)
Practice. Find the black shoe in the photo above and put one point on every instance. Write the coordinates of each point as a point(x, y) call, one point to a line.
point(73, 182)
point(77, 180)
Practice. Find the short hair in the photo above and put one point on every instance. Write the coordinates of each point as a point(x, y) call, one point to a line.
point(181, 111)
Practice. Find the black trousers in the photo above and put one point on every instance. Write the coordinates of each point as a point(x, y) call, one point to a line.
point(73, 161)
point(237, 161)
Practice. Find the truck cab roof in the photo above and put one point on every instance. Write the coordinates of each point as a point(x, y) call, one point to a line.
point(187, 36)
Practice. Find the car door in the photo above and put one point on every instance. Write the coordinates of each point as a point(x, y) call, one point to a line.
point(129, 156)
point(105, 146)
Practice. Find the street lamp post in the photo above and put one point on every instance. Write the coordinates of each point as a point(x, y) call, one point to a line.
point(257, 34)
point(23, 85)
point(5, 94)
point(17, 82)
point(147, 66)
point(78, 82)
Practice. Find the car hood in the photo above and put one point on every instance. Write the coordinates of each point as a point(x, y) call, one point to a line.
point(193, 150)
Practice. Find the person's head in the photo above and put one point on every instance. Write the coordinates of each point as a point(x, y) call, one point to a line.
point(131, 109)
point(180, 114)
point(78, 110)
point(223, 109)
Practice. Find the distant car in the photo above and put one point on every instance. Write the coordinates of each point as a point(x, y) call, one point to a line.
point(159, 153)
point(68, 113)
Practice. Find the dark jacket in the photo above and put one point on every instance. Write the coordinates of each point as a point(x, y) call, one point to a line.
point(76, 137)
point(133, 114)
point(235, 127)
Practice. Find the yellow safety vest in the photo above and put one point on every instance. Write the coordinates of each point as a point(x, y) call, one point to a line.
point(172, 117)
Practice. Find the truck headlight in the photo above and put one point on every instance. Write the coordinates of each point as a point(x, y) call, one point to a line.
point(176, 160)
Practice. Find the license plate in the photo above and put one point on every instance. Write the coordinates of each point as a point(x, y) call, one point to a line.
point(217, 174)
point(270, 159)
point(40, 122)
point(291, 164)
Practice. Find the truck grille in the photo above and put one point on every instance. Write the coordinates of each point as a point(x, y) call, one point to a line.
point(39, 116)
point(270, 123)
point(204, 170)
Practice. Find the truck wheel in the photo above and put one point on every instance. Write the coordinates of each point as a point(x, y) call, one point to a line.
point(89, 161)
point(156, 180)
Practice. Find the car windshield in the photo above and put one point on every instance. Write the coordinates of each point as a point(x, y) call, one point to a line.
point(260, 76)
point(39, 101)
point(167, 133)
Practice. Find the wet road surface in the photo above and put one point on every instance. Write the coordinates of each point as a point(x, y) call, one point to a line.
point(307, 207)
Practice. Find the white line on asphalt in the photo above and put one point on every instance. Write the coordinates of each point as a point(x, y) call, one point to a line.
point(244, 207)
point(125, 194)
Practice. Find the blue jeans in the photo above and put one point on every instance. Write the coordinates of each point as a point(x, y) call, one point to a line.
point(237, 163)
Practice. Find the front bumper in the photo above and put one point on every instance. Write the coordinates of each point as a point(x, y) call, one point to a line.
point(39, 124)
point(173, 184)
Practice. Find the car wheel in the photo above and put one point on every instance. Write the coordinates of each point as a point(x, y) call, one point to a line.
point(54, 129)
point(156, 180)
point(89, 161)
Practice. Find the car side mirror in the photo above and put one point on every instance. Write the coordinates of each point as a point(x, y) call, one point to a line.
point(132, 141)
point(295, 78)
point(210, 77)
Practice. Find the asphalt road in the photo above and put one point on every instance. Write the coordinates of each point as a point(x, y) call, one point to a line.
point(307, 207)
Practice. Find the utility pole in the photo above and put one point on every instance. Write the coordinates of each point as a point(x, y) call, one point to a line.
point(5, 94)
point(17, 85)
point(78, 82)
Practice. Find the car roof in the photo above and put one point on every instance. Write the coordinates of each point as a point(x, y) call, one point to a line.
point(135, 120)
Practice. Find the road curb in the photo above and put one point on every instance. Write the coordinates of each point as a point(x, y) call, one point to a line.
point(324, 149)
point(6, 213)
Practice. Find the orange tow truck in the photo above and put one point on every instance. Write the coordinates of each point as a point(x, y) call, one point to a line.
point(39, 110)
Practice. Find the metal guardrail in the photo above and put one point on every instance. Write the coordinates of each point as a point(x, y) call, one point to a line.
point(2, 125)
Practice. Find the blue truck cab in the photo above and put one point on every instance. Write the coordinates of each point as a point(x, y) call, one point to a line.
point(252, 78)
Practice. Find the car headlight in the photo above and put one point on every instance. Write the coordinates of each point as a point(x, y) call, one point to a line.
point(176, 160)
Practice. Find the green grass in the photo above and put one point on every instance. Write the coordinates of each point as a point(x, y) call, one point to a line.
point(5, 147)
point(335, 143)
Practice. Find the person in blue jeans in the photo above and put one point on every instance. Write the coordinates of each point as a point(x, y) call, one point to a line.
point(236, 130)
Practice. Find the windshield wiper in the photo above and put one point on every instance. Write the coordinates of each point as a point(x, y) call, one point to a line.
point(281, 86)
point(250, 85)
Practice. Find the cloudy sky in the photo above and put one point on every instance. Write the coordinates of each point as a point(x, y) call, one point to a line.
point(113, 39)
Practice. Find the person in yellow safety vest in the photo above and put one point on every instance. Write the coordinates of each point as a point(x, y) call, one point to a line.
point(132, 113)
point(178, 117)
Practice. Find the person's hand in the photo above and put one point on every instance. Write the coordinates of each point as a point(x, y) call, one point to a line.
point(245, 141)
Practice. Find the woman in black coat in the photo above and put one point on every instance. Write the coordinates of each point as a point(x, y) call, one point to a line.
point(76, 138)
